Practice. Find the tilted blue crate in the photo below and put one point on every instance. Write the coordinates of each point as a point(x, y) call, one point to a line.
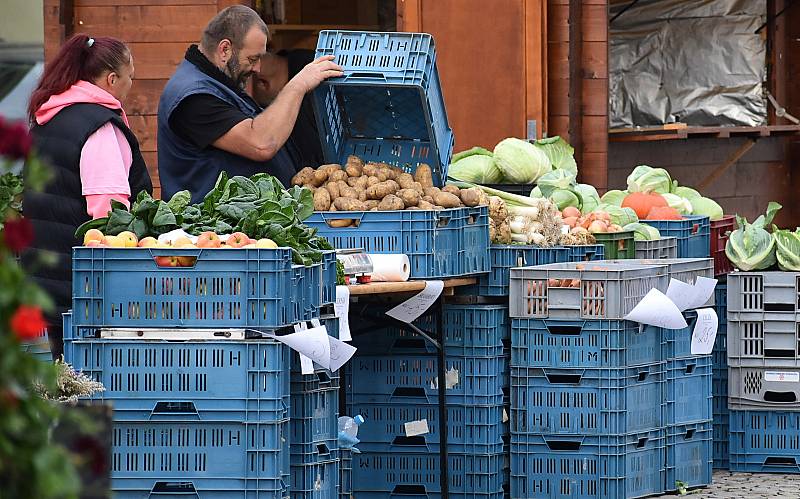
point(388, 105)
point(765, 442)
point(588, 467)
point(586, 401)
point(126, 287)
point(200, 380)
point(584, 343)
point(693, 233)
point(688, 394)
point(315, 481)
point(689, 455)
point(378, 475)
point(204, 459)
point(306, 291)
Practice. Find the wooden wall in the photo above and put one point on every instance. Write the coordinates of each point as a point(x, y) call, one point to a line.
point(158, 33)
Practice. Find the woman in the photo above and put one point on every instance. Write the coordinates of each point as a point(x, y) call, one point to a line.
point(79, 127)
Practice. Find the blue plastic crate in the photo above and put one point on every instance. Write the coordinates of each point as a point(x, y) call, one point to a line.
point(721, 434)
point(719, 390)
point(345, 473)
point(380, 475)
point(388, 106)
point(307, 291)
point(504, 257)
point(689, 455)
point(721, 302)
point(688, 394)
point(314, 424)
point(469, 331)
point(202, 488)
point(475, 241)
point(161, 380)
point(678, 342)
point(720, 352)
point(315, 481)
point(586, 253)
point(586, 401)
point(693, 233)
point(583, 343)
point(586, 467)
point(406, 378)
point(329, 276)
point(39, 347)
point(125, 287)
point(765, 442)
point(431, 239)
point(471, 429)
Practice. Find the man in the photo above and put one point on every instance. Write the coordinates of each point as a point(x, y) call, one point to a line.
point(208, 124)
point(276, 71)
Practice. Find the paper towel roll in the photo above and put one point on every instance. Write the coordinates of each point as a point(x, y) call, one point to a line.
point(390, 268)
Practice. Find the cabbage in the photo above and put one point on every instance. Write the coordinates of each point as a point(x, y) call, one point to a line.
point(560, 153)
point(520, 161)
point(751, 247)
point(619, 216)
point(643, 232)
point(614, 197)
point(589, 197)
point(683, 206)
point(686, 192)
point(707, 208)
point(787, 249)
point(556, 179)
point(536, 192)
point(646, 179)
point(477, 168)
point(565, 197)
point(470, 152)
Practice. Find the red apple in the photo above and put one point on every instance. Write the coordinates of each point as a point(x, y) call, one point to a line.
point(238, 240)
point(167, 261)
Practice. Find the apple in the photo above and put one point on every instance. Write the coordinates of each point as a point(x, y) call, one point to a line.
point(238, 240)
point(114, 242)
point(181, 241)
point(186, 261)
point(92, 235)
point(148, 242)
point(250, 246)
point(94, 243)
point(129, 238)
point(266, 243)
point(208, 239)
point(167, 261)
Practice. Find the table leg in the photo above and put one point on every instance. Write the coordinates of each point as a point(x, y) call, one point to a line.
point(444, 476)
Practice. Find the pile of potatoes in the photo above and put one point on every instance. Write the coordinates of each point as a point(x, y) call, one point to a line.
point(380, 187)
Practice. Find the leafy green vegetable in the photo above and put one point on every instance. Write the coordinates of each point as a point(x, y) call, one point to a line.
point(11, 188)
point(469, 152)
point(560, 154)
point(707, 207)
point(555, 180)
point(478, 168)
point(590, 200)
point(646, 179)
point(751, 247)
point(619, 216)
point(520, 161)
point(787, 249)
point(565, 197)
point(643, 232)
point(685, 192)
point(683, 206)
point(613, 197)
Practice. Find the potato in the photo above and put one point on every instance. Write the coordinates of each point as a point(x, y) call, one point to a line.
point(310, 187)
point(361, 182)
point(410, 197)
point(471, 197)
point(353, 170)
point(330, 168)
point(428, 199)
point(362, 194)
point(338, 224)
point(347, 192)
point(333, 189)
point(382, 189)
point(447, 200)
point(431, 191)
point(451, 189)
point(304, 176)
point(320, 177)
point(322, 200)
point(347, 204)
point(399, 171)
point(337, 175)
point(405, 180)
point(372, 181)
point(371, 170)
point(371, 203)
point(332, 208)
point(425, 205)
point(391, 203)
point(423, 175)
point(418, 187)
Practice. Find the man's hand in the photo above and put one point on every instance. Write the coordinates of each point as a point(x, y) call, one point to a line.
point(315, 73)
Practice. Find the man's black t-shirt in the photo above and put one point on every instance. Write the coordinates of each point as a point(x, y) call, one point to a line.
point(305, 134)
point(202, 118)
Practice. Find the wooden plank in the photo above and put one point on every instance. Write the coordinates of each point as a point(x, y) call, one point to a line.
point(595, 23)
point(409, 16)
point(557, 22)
point(594, 133)
point(379, 288)
point(594, 59)
point(151, 160)
point(145, 128)
point(736, 156)
point(114, 3)
point(558, 97)
point(575, 71)
point(595, 97)
point(143, 97)
point(558, 125)
point(157, 61)
point(221, 4)
point(558, 60)
point(536, 63)
point(145, 23)
point(594, 170)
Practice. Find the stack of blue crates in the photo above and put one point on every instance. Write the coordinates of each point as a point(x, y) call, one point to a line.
point(197, 413)
point(763, 363)
point(600, 406)
point(393, 383)
point(720, 380)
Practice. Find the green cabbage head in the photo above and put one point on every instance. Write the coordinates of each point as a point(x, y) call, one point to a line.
point(751, 247)
point(560, 153)
point(707, 208)
point(787, 249)
point(554, 180)
point(520, 161)
point(614, 197)
point(590, 200)
point(565, 197)
point(477, 168)
point(619, 216)
point(643, 232)
point(683, 206)
point(646, 179)
point(686, 192)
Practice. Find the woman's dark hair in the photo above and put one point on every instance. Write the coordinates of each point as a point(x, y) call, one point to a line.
point(77, 60)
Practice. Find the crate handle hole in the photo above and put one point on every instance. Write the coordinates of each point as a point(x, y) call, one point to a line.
point(323, 449)
point(563, 330)
point(695, 228)
point(174, 488)
point(690, 368)
point(642, 442)
point(564, 379)
point(563, 445)
point(366, 75)
point(343, 223)
point(776, 353)
point(415, 440)
point(643, 375)
point(169, 407)
point(323, 377)
point(409, 343)
point(779, 307)
point(689, 434)
point(408, 391)
point(780, 461)
point(409, 490)
point(781, 397)
point(443, 222)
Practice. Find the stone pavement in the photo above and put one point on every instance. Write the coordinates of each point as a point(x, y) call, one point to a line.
point(728, 485)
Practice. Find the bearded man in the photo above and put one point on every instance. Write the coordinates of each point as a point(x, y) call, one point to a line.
point(208, 124)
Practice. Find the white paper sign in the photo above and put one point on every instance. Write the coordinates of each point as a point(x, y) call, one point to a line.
point(705, 331)
point(411, 309)
point(782, 377)
point(681, 294)
point(313, 343)
point(657, 310)
point(306, 364)
point(703, 291)
point(342, 310)
point(414, 428)
point(341, 352)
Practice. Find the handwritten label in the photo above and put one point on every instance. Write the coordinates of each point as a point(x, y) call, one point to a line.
point(414, 428)
point(411, 309)
point(681, 294)
point(657, 310)
point(314, 343)
point(703, 291)
point(341, 352)
point(705, 331)
point(342, 311)
point(782, 377)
